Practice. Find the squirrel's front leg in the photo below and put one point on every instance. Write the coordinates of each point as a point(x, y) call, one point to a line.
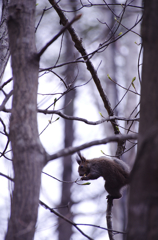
point(84, 178)
point(90, 176)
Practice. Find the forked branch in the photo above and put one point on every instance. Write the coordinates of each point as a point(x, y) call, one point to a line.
point(90, 67)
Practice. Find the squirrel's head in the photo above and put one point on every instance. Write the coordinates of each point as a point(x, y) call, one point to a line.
point(83, 168)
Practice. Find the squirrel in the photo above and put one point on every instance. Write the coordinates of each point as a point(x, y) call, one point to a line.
point(114, 171)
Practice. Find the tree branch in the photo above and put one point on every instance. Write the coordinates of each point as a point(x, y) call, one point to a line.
point(58, 35)
point(5, 100)
point(52, 210)
point(66, 219)
point(90, 67)
point(85, 120)
point(109, 217)
point(5, 83)
point(9, 178)
point(71, 150)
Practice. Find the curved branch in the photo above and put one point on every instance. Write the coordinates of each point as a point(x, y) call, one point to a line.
point(85, 120)
point(66, 219)
point(6, 176)
point(53, 211)
point(71, 150)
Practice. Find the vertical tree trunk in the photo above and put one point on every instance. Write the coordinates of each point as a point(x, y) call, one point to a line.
point(4, 43)
point(65, 229)
point(143, 207)
point(28, 153)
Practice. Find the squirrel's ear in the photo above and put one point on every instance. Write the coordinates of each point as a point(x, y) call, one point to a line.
point(81, 157)
point(78, 161)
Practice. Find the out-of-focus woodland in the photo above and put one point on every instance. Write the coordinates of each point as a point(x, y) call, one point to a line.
point(101, 51)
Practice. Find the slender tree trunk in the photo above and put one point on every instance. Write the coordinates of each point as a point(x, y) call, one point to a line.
point(28, 153)
point(65, 229)
point(143, 202)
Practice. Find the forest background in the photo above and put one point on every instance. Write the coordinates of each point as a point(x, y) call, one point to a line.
point(67, 95)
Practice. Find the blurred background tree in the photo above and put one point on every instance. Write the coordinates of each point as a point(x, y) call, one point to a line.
point(109, 31)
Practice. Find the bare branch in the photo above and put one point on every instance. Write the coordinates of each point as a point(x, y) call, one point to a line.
point(128, 89)
point(66, 219)
point(109, 217)
point(9, 178)
point(2, 154)
point(92, 225)
point(58, 35)
point(85, 120)
point(44, 10)
point(102, 5)
point(5, 100)
point(5, 83)
point(71, 150)
point(4, 127)
point(104, 45)
point(90, 67)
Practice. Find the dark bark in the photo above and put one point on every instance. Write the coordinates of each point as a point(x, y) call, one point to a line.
point(109, 218)
point(4, 43)
point(143, 207)
point(65, 229)
point(90, 67)
point(28, 153)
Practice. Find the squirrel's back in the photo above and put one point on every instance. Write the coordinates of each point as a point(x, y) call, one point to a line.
point(113, 170)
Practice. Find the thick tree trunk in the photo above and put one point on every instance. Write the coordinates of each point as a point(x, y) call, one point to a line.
point(143, 202)
point(28, 153)
point(4, 43)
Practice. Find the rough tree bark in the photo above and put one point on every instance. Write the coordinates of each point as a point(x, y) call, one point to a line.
point(4, 43)
point(143, 207)
point(28, 153)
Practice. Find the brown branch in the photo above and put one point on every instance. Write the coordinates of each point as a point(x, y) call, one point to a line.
point(90, 67)
point(97, 226)
point(128, 89)
point(109, 217)
point(4, 127)
point(85, 120)
point(66, 219)
point(9, 178)
point(105, 44)
point(58, 35)
point(5, 83)
point(71, 150)
point(2, 154)
point(5, 100)
point(52, 210)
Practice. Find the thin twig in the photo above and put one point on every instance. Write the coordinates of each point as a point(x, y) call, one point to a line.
point(58, 35)
point(66, 219)
point(4, 127)
point(5, 100)
point(9, 178)
point(5, 83)
point(44, 10)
